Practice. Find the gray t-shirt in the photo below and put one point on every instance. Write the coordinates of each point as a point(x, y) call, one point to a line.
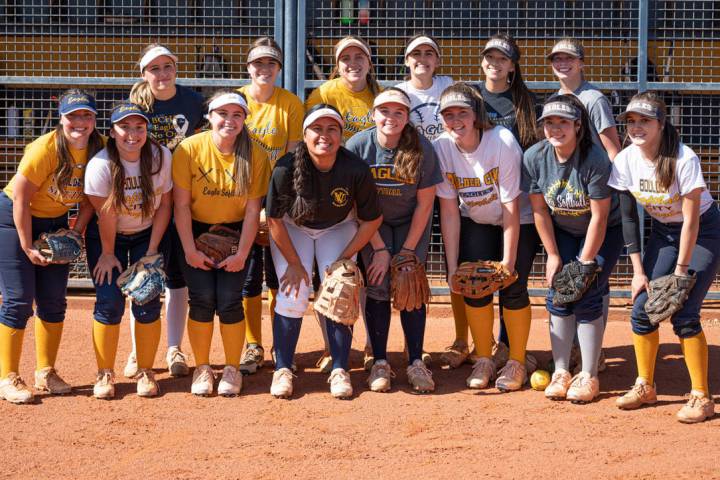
point(398, 199)
point(568, 187)
point(598, 107)
point(501, 111)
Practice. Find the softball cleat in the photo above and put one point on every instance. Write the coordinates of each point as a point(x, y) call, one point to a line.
point(253, 360)
point(177, 363)
point(203, 381)
point(14, 390)
point(698, 408)
point(131, 367)
point(104, 388)
point(231, 382)
point(482, 373)
point(456, 354)
point(48, 380)
point(583, 388)
point(642, 393)
point(146, 384)
point(340, 386)
point(511, 377)
point(559, 384)
point(282, 383)
point(420, 377)
point(380, 376)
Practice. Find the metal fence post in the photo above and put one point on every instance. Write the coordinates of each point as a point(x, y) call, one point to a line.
point(643, 27)
point(290, 44)
point(278, 32)
point(300, 56)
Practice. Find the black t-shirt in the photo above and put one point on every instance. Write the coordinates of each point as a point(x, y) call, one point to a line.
point(347, 185)
point(173, 120)
point(501, 111)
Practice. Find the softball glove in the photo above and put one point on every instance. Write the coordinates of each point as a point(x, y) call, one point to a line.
point(144, 280)
point(667, 295)
point(218, 243)
point(571, 283)
point(339, 296)
point(480, 279)
point(62, 246)
point(409, 287)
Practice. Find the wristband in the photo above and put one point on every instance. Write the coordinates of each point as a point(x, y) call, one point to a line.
point(386, 249)
point(681, 265)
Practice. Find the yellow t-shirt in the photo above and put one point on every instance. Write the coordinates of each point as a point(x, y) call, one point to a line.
point(38, 165)
point(274, 123)
point(199, 167)
point(355, 107)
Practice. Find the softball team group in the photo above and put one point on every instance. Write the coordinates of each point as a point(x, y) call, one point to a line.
point(354, 174)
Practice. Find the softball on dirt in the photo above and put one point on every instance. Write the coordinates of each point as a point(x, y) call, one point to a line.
point(539, 380)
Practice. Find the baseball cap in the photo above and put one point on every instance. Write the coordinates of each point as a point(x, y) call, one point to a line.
point(456, 99)
point(154, 53)
point(323, 113)
point(127, 110)
point(264, 51)
point(76, 101)
point(391, 96)
point(564, 46)
point(422, 40)
point(559, 109)
point(351, 42)
point(503, 47)
point(229, 99)
point(641, 107)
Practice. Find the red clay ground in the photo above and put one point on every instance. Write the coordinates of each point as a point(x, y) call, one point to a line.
point(454, 433)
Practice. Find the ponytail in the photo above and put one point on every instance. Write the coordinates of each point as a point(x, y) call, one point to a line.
point(303, 184)
point(141, 95)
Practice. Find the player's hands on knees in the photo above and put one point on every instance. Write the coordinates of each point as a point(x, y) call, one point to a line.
point(198, 259)
point(291, 282)
point(233, 263)
point(36, 257)
point(378, 267)
point(552, 267)
point(639, 283)
point(103, 271)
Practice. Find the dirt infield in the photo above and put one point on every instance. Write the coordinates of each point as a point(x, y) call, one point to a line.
point(453, 433)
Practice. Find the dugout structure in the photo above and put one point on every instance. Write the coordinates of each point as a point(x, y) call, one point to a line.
point(48, 46)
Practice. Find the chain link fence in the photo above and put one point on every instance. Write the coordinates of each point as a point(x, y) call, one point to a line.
point(51, 45)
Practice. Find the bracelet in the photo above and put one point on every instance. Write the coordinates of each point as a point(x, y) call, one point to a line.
point(681, 265)
point(405, 249)
point(386, 249)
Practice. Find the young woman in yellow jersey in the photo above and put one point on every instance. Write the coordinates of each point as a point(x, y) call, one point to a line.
point(219, 177)
point(48, 182)
point(274, 125)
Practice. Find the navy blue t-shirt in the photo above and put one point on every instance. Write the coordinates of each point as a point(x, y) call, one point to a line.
point(171, 121)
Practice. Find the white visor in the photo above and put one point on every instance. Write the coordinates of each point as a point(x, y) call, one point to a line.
point(422, 41)
point(323, 112)
point(154, 53)
point(351, 42)
point(229, 99)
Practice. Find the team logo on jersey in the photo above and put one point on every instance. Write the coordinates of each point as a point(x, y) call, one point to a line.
point(426, 118)
point(567, 200)
point(358, 119)
point(340, 197)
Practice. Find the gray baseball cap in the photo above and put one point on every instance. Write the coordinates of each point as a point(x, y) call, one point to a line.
point(503, 47)
point(559, 109)
point(641, 107)
point(456, 99)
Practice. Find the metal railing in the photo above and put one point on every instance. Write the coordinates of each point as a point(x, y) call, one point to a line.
point(50, 45)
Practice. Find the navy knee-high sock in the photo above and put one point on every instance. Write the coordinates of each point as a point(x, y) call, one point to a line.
point(413, 324)
point(340, 337)
point(377, 315)
point(286, 332)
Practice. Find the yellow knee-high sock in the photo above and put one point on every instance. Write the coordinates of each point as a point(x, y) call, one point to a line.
point(233, 337)
point(253, 319)
point(47, 342)
point(461, 322)
point(517, 323)
point(480, 320)
point(11, 341)
point(646, 348)
point(200, 336)
point(695, 350)
point(272, 297)
point(147, 339)
point(105, 341)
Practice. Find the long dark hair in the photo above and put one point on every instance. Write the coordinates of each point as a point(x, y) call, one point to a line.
point(150, 164)
point(584, 136)
point(242, 168)
point(305, 179)
point(64, 170)
point(372, 83)
point(525, 115)
point(409, 152)
point(666, 159)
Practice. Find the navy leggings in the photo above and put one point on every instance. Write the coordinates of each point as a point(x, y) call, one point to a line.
point(660, 259)
point(485, 242)
point(213, 291)
point(21, 282)
point(109, 300)
point(260, 261)
point(175, 278)
point(590, 306)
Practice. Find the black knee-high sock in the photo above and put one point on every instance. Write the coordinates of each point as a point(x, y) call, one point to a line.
point(377, 315)
point(340, 337)
point(413, 324)
point(286, 332)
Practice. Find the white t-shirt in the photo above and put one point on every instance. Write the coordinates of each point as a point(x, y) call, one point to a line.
point(484, 178)
point(98, 182)
point(632, 172)
point(425, 106)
